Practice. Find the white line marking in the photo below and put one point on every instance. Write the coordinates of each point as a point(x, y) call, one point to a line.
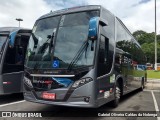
point(151, 90)
point(155, 104)
point(3, 105)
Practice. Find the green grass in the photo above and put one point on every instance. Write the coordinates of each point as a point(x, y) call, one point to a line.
point(153, 74)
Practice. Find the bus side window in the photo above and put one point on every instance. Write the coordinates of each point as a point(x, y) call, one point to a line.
point(13, 61)
point(103, 55)
point(102, 50)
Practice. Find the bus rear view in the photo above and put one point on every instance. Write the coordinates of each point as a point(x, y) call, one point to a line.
point(70, 59)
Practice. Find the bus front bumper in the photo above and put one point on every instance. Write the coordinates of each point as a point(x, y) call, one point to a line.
point(71, 102)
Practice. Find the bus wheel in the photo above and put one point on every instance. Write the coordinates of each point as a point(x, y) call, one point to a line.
point(115, 102)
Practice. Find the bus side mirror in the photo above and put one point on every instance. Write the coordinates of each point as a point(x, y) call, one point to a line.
point(93, 27)
point(18, 40)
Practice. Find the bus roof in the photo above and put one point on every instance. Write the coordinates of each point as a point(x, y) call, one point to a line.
point(84, 8)
point(11, 29)
point(71, 10)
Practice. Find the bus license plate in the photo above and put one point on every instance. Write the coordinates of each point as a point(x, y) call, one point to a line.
point(50, 96)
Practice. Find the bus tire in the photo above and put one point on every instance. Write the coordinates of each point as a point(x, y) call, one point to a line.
point(117, 94)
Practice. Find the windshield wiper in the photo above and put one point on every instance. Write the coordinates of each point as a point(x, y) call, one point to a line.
point(78, 55)
point(44, 46)
point(35, 40)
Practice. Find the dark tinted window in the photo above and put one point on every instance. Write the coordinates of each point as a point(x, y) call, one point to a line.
point(138, 55)
point(124, 40)
point(103, 56)
point(14, 56)
point(110, 34)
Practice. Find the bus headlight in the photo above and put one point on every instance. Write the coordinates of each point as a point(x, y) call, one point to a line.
point(81, 82)
point(28, 82)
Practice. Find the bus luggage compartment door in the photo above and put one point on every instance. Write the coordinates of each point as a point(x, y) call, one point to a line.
point(12, 82)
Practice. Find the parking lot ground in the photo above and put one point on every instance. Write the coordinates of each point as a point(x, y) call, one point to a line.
point(153, 84)
point(157, 95)
point(137, 101)
point(9, 98)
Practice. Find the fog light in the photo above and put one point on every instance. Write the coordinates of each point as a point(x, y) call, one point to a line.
point(86, 99)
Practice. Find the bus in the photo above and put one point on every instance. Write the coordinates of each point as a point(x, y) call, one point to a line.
point(81, 57)
point(13, 45)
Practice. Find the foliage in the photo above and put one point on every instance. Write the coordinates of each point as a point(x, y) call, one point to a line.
point(147, 41)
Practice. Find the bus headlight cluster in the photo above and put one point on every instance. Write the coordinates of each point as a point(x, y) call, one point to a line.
point(28, 82)
point(81, 82)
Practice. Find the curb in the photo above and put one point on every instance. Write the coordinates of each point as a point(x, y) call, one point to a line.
point(153, 80)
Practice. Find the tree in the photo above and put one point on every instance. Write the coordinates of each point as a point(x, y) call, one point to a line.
point(158, 38)
point(138, 33)
point(144, 37)
point(148, 49)
point(146, 40)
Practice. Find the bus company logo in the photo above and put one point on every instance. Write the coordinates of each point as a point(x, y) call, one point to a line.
point(43, 81)
point(47, 82)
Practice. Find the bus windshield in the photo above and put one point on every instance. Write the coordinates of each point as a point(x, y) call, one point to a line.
point(56, 41)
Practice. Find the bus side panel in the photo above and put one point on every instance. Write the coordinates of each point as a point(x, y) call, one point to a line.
point(12, 82)
point(1, 85)
point(105, 66)
point(106, 90)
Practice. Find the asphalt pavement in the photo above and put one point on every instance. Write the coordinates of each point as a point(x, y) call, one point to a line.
point(146, 101)
point(153, 84)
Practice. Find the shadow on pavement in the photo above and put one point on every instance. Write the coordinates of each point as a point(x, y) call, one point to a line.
point(4, 99)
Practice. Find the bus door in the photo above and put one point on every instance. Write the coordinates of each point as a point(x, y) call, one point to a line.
point(13, 66)
point(103, 68)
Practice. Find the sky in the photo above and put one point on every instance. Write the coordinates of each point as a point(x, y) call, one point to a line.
point(135, 14)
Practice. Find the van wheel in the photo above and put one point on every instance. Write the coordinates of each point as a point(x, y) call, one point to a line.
point(115, 102)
